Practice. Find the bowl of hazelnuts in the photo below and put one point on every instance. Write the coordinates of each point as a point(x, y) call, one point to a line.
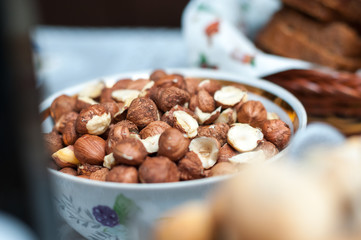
point(128, 147)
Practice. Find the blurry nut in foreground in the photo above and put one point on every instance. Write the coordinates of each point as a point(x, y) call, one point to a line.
point(157, 170)
point(207, 149)
point(190, 222)
point(123, 174)
point(142, 111)
point(173, 144)
point(93, 120)
point(157, 74)
point(65, 157)
point(90, 149)
point(190, 167)
point(185, 123)
point(253, 113)
point(277, 132)
point(228, 96)
point(272, 115)
point(129, 151)
point(61, 105)
point(243, 137)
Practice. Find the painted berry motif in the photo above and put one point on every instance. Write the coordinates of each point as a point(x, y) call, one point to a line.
point(212, 29)
point(244, 58)
point(203, 63)
point(105, 215)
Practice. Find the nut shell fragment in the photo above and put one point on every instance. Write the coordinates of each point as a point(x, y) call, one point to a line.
point(244, 137)
point(207, 149)
point(185, 123)
point(229, 96)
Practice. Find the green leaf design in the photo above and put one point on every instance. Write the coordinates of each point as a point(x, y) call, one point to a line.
point(205, 8)
point(124, 207)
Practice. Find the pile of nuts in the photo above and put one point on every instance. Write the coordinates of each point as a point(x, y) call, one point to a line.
point(166, 128)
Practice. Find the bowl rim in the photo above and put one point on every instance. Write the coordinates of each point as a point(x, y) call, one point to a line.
point(188, 72)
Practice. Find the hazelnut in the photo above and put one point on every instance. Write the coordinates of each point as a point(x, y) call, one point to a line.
point(61, 105)
point(142, 111)
point(210, 86)
point(190, 167)
point(153, 128)
point(138, 84)
point(125, 96)
point(53, 141)
point(225, 153)
point(129, 151)
point(173, 80)
point(69, 170)
point(151, 144)
point(253, 113)
point(157, 170)
point(173, 144)
point(99, 175)
point(69, 134)
point(166, 98)
point(123, 174)
point(192, 85)
point(268, 148)
point(64, 119)
point(229, 96)
point(157, 74)
point(130, 125)
point(65, 157)
point(106, 95)
point(84, 102)
point(113, 108)
point(228, 116)
point(122, 84)
point(185, 123)
point(218, 131)
point(87, 169)
point(92, 90)
point(93, 120)
point(277, 132)
point(203, 100)
point(90, 149)
point(168, 116)
point(224, 168)
point(207, 149)
point(207, 118)
point(249, 157)
point(117, 133)
point(244, 137)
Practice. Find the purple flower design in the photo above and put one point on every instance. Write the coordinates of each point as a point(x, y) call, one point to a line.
point(105, 215)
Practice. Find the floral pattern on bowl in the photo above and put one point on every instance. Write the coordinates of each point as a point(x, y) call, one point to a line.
point(109, 222)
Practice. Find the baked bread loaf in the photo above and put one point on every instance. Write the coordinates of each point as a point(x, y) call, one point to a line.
point(295, 35)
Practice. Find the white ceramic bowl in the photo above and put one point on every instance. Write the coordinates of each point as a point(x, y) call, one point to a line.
point(106, 210)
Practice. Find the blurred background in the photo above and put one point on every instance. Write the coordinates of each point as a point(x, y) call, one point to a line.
point(80, 40)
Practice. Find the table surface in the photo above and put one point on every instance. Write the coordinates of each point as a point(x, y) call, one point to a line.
point(68, 56)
